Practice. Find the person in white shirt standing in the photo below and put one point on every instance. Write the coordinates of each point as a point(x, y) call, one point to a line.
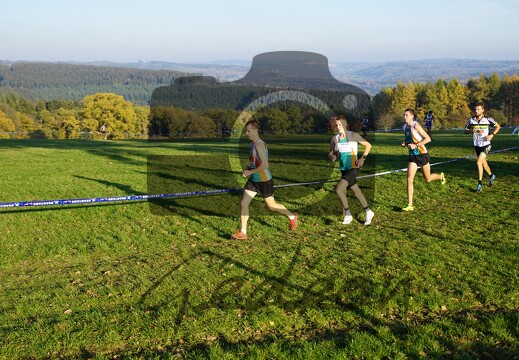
point(479, 126)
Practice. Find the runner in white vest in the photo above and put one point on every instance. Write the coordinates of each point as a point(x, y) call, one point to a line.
point(479, 126)
point(345, 145)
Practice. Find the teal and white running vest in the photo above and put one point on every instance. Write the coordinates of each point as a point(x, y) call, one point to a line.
point(347, 152)
point(412, 136)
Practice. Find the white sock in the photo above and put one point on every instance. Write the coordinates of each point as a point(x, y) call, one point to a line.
point(244, 231)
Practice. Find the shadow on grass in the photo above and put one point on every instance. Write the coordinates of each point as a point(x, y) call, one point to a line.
point(127, 189)
point(284, 289)
point(292, 347)
point(290, 296)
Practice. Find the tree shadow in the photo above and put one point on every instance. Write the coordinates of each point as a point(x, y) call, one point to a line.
point(317, 295)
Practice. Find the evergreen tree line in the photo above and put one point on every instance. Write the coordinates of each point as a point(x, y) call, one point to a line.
point(451, 102)
point(202, 93)
point(47, 81)
point(199, 106)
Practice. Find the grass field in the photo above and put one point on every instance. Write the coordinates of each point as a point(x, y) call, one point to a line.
point(162, 280)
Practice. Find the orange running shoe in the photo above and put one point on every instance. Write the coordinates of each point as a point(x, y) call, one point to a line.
point(239, 235)
point(293, 223)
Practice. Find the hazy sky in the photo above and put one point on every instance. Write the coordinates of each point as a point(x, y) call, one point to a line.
point(202, 31)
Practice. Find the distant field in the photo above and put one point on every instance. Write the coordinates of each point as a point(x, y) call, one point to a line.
point(163, 280)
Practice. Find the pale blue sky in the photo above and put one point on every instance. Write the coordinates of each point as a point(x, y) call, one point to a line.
point(202, 31)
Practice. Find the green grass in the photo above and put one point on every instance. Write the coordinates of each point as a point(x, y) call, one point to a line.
point(163, 280)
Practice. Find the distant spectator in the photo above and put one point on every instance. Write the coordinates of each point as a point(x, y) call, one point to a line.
point(364, 126)
point(429, 117)
point(225, 133)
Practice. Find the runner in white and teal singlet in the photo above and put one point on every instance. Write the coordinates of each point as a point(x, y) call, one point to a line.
point(347, 151)
point(412, 136)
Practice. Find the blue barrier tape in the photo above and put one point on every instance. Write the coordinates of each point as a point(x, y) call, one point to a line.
point(196, 193)
point(112, 198)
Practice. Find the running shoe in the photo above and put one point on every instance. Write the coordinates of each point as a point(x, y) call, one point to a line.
point(369, 217)
point(239, 235)
point(479, 188)
point(347, 219)
point(293, 223)
point(492, 178)
point(408, 208)
point(443, 180)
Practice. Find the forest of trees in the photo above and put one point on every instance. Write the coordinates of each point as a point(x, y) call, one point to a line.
point(21, 118)
point(290, 119)
point(49, 81)
point(200, 93)
point(451, 103)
